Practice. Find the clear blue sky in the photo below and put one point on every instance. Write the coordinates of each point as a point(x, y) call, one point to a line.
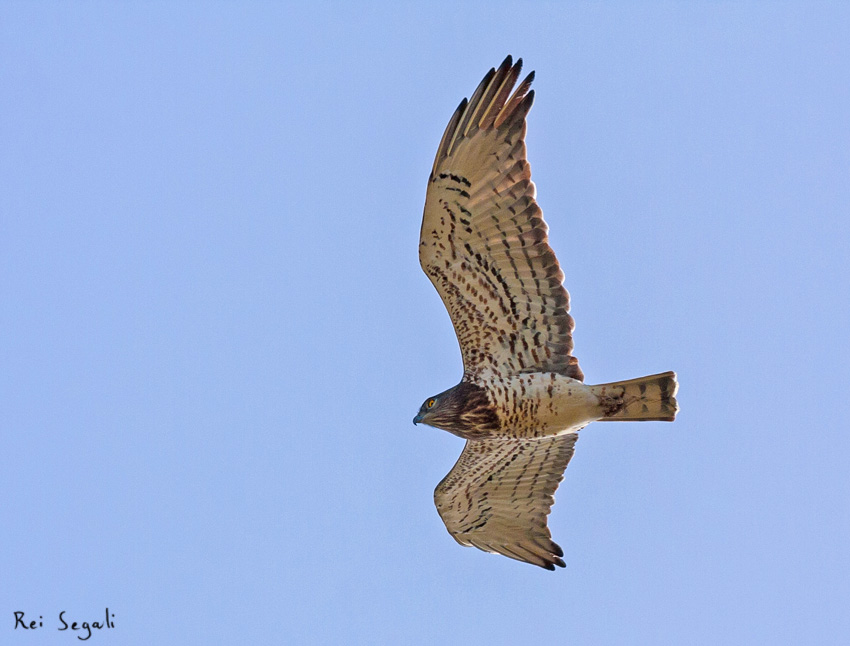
point(214, 331)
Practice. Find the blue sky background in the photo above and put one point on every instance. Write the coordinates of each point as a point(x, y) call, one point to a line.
point(215, 331)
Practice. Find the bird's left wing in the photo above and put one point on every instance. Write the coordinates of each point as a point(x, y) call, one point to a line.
point(484, 242)
point(499, 493)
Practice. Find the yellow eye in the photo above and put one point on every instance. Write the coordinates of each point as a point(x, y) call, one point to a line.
point(430, 403)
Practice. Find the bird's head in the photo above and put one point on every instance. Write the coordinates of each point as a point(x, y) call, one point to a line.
point(429, 407)
point(463, 410)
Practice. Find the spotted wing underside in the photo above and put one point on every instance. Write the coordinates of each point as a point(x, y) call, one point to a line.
point(484, 243)
point(499, 493)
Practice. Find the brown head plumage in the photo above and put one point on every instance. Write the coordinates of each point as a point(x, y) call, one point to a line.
point(464, 410)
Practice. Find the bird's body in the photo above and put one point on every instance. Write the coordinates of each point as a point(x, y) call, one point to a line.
point(531, 405)
point(522, 398)
point(543, 404)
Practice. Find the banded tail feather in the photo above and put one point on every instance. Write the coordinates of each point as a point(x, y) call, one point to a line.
point(651, 398)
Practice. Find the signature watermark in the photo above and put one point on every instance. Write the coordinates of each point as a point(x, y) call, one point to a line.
point(83, 629)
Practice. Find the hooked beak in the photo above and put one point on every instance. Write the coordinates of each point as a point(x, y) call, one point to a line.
point(417, 419)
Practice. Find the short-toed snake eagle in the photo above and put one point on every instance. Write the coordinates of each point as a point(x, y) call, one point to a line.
point(521, 400)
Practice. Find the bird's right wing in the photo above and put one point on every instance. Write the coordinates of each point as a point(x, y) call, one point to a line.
point(499, 493)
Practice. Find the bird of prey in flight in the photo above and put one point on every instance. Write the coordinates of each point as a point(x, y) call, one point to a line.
point(522, 399)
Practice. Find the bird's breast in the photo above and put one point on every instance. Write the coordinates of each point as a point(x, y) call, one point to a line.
point(543, 404)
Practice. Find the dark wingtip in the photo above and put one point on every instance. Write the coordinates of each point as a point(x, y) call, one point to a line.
point(507, 62)
point(551, 566)
point(526, 103)
point(518, 67)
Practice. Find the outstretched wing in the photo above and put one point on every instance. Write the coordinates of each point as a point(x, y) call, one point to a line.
point(499, 493)
point(484, 243)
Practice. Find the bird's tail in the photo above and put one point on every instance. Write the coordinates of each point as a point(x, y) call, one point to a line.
point(642, 399)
